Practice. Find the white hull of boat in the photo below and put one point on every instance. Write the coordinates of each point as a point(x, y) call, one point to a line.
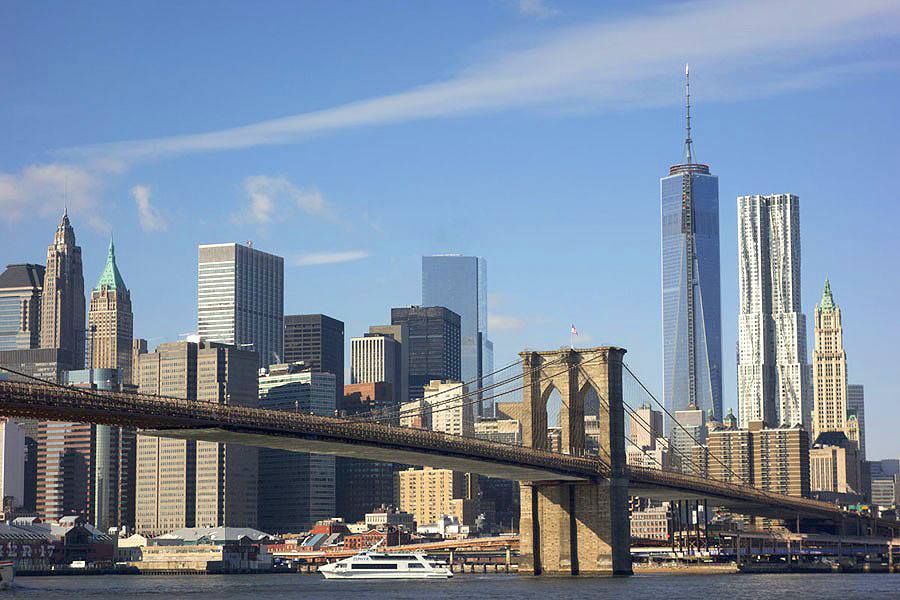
point(391, 575)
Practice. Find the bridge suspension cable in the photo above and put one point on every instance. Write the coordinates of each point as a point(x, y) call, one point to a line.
point(399, 411)
point(376, 414)
point(691, 436)
point(454, 402)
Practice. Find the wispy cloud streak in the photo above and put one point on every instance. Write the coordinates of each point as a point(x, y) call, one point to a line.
point(150, 217)
point(268, 195)
point(328, 258)
point(739, 46)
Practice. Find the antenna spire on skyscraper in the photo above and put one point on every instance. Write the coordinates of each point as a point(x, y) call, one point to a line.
point(688, 148)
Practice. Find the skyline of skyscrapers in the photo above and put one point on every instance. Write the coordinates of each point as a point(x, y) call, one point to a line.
point(691, 294)
point(459, 283)
point(442, 277)
point(773, 372)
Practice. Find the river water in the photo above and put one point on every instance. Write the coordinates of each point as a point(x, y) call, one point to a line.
point(468, 587)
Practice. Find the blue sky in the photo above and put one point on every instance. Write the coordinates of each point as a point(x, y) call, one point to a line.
point(353, 137)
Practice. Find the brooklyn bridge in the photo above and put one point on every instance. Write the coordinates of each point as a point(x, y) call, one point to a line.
point(574, 505)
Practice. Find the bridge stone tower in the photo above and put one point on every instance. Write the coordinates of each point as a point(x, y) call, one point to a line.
point(575, 528)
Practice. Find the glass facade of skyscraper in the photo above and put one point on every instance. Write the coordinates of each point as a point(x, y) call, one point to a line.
point(691, 302)
point(460, 284)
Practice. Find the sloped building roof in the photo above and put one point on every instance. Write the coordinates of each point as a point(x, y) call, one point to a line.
point(25, 275)
point(213, 535)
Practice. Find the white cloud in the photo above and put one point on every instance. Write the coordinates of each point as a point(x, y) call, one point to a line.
point(536, 8)
point(738, 48)
point(504, 322)
point(150, 217)
point(46, 189)
point(267, 196)
point(328, 258)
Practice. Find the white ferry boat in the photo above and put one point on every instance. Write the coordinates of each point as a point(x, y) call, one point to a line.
point(7, 574)
point(384, 565)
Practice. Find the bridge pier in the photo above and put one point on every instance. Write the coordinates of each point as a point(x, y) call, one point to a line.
point(575, 528)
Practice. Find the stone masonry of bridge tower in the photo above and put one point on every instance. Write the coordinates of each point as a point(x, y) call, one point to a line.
point(575, 528)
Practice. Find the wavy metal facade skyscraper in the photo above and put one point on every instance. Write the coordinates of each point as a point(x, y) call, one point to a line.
point(773, 375)
point(691, 300)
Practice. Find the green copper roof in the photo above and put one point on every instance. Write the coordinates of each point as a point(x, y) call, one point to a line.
point(111, 278)
point(827, 302)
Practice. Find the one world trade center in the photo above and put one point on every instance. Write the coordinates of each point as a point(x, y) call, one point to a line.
point(691, 302)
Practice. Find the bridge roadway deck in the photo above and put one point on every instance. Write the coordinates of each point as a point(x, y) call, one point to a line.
point(169, 417)
point(285, 430)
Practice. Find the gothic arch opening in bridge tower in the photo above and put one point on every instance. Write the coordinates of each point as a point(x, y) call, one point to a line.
point(553, 414)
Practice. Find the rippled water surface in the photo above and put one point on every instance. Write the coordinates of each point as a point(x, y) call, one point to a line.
point(468, 587)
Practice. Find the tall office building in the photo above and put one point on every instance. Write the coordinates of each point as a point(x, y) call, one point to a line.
point(376, 358)
point(65, 469)
point(434, 345)
point(773, 374)
point(227, 474)
point(691, 301)
point(110, 333)
point(460, 283)
point(110, 321)
point(181, 483)
point(62, 299)
point(240, 299)
point(856, 407)
point(20, 306)
point(166, 467)
point(829, 368)
point(318, 341)
point(399, 334)
point(296, 489)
